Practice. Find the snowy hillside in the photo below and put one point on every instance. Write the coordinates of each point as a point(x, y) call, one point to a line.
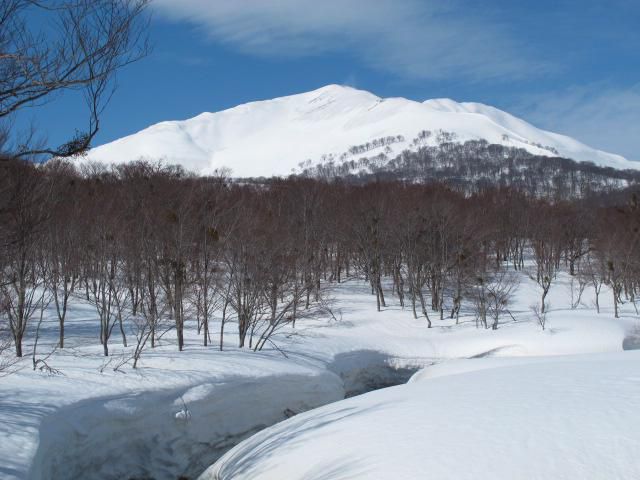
point(274, 137)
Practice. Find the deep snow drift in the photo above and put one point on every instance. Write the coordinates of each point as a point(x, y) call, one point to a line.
point(563, 419)
point(273, 137)
point(180, 411)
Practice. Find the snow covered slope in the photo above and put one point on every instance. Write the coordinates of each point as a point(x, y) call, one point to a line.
point(573, 417)
point(273, 137)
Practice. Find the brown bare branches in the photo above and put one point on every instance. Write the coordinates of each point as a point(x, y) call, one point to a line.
point(152, 247)
point(50, 46)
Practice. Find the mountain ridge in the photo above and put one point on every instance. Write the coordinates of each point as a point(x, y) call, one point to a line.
point(278, 136)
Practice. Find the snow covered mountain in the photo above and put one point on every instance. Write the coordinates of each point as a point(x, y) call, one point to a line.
point(274, 137)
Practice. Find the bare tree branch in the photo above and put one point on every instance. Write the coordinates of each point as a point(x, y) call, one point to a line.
point(77, 45)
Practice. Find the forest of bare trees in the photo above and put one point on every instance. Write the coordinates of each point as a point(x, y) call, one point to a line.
point(153, 247)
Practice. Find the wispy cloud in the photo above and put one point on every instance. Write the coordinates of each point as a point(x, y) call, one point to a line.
point(601, 116)
point(416, 39)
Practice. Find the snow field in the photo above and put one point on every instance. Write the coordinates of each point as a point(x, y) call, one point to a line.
point(180, 411)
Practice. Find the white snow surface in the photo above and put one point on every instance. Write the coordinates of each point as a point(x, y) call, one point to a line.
point(523, 403)
point(562, 419)
point(273, 137)
point(180, 411)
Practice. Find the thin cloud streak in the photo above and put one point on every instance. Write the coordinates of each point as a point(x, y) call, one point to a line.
point(604, 117)
point(411, 39)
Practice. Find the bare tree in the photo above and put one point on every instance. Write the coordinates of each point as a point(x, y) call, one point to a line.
point(500, 289)
point(209, 244)
point(546, 250)
point(540, 315)
point(64, 239)
point(24, 219)
point(107, 287)
point(41, 362)
point(7, 361)
point(491, 293)
point(177, 238)
point(593, 271)
point(51, 46)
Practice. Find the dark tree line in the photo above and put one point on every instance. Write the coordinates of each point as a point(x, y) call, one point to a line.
point(154, 248)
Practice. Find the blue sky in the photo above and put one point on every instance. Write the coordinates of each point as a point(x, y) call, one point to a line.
point(565, 65)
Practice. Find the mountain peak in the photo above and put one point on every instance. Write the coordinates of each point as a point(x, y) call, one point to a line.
point(443, 105)
point(335, 88)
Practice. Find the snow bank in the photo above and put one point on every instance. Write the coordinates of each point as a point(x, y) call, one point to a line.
point(561, 419)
